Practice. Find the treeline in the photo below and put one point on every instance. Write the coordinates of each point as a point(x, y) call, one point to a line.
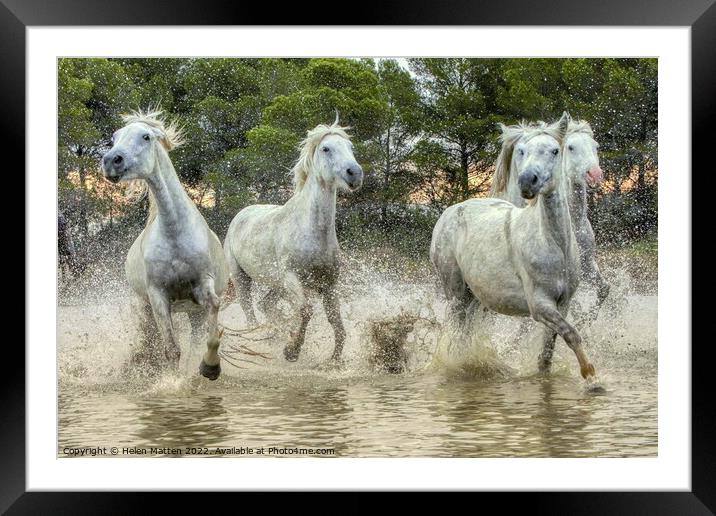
point(425, 132)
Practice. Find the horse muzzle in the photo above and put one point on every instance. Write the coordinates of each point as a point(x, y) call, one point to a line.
point(529, 184)
point(113, 166)
point(353, 177)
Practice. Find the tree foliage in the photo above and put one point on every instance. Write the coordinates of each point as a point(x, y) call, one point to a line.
point(425, 129)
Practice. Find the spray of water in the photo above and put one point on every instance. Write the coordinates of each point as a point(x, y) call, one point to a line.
point(95, 332)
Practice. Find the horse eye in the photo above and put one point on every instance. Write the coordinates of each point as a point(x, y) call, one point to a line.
point(570, 148)
point(522, 152)
point(555, 151)
point(326, 149)
point(146, 137)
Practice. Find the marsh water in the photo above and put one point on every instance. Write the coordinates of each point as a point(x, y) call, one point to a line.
point(484, 400)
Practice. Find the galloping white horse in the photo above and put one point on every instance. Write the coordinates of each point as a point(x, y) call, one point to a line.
point(293, 247)
point(582, 166)
point(517, 261)
point(177, 262)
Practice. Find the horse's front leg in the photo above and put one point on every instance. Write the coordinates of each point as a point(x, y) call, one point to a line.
point(205, 294)
point(546, 312)
point(143, 351)
point(332, 306)
point(161, 307)
point(294, 290)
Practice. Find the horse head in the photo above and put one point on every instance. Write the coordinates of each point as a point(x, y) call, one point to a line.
point(536, 157)
point(135, 147)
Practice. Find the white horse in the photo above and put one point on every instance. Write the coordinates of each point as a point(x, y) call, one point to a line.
point(177, 262)
point(293, 247)
point(582, 166)
point(517, 261)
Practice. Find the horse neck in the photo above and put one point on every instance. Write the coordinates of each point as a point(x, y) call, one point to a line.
point(316, 208)
point(554, 215)
point(173, 205)
point(577, 203)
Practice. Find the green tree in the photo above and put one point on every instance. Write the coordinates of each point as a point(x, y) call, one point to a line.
point(402, 120)
point(461, 113)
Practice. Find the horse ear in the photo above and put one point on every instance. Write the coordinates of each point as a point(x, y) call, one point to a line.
point(336, 121)
point(563, 124)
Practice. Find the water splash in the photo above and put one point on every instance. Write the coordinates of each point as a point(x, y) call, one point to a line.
point(95, 332)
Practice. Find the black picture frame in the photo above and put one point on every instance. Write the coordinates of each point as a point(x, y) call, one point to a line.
point(700, 15)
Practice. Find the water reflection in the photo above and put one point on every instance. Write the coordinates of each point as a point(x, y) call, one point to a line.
point(178, 423)
point(377, 416)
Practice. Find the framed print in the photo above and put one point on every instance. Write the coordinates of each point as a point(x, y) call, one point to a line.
point(377, 232)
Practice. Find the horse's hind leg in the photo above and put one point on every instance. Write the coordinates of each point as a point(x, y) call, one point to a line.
point(544, 360)
point(595, 277)
point(294, 289)
point(205, 295)
point(267, 304)
point(196, 321)
point(457, 292)
point(332, 306)
point(242, 283)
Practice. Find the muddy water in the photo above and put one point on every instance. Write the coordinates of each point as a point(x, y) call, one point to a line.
point(458, 408)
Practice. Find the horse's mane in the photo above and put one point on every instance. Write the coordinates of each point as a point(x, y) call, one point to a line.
point(308, 148)
point(172, 132)
point(580, 126)
point(509, 138)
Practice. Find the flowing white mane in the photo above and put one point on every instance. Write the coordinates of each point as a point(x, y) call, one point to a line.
point(308, 146)
point(173, 134)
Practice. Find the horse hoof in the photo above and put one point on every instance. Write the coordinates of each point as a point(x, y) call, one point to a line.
point(290, 353)
point(211, 372)
point(588, 371)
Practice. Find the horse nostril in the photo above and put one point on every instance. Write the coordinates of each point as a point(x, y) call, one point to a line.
point(117, 159)
point(349, 172)
point(534, 180)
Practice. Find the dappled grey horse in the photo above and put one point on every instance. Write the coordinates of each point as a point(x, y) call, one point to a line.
point(582, 167)
point(293, 248)
point(177, 262)
point(517, 261)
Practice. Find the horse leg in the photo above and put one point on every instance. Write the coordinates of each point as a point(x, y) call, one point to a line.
point(332, 306)
point(161, 308)
point(544, 360)
point(267, 304)
point(457, 293)
point(294, 289)
point(205, 294)
point(242, 284)
point(548, 314)
point(594, 276)
point(143, 351)
point(196, 320)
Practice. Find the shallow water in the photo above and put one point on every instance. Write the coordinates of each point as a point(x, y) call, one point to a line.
point(459, 411)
